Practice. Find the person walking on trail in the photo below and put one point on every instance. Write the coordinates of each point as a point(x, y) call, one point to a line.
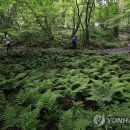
point(7, 42)
point(74, 42)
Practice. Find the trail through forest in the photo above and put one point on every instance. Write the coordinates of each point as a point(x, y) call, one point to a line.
point(122, 50)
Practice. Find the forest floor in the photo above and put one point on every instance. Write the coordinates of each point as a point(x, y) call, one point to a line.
point(121, 50)
point(53, 87)
point(62, 84)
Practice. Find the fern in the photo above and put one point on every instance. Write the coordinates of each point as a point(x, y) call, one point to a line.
point(100, 94)
point(105, 91)
point(126, 92)
point(35, 102)
point(125, 76)
point(28, 96)
point(10, 117)
point(66, 122)
point(12, 83)
point(28, 120)
point(81, 124)
point(21, 75)
point(81, 82)
point(2, 102)
point(47, 100)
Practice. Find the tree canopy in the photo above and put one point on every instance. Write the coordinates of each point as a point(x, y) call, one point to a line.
point(48, 19)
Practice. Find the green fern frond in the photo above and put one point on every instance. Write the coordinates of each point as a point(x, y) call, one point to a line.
point(47, 100)
point(10, 117)
point(28, 120)
point(21, 75)
point(66, 122)
point(3, 103)
point(81, 124)
point(28, 96)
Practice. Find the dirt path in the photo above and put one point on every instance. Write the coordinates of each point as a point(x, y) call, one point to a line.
point(122, 50)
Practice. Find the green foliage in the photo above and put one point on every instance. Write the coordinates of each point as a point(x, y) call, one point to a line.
point(66, 122)
point(69, 123)
point(10, 117)
point(2, 102)
point(47, 100)
point(37, 92)
point(28, 120)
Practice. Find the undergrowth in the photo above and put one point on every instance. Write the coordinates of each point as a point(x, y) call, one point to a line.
point(62, 91)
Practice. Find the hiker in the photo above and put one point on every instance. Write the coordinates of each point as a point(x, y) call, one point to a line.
point(7, 42)
point(74, 42)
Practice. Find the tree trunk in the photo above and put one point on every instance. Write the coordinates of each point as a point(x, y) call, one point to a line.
point(89, 9)
point(116, 31)
point(49, 29)
point(49, 33)
point(77, 25)
point(82, 26)
point(116, 28)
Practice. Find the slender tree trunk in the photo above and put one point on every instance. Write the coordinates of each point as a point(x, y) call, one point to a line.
point(82, 26)
point(77, 25)
point(49, 29)
point(89, 9)
point(116, 28)
point(74, 22)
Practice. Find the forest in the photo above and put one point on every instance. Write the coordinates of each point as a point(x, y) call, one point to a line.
point(64, 64)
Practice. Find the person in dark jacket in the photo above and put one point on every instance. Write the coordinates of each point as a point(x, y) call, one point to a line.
point(74, 42)
point(7, 42)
